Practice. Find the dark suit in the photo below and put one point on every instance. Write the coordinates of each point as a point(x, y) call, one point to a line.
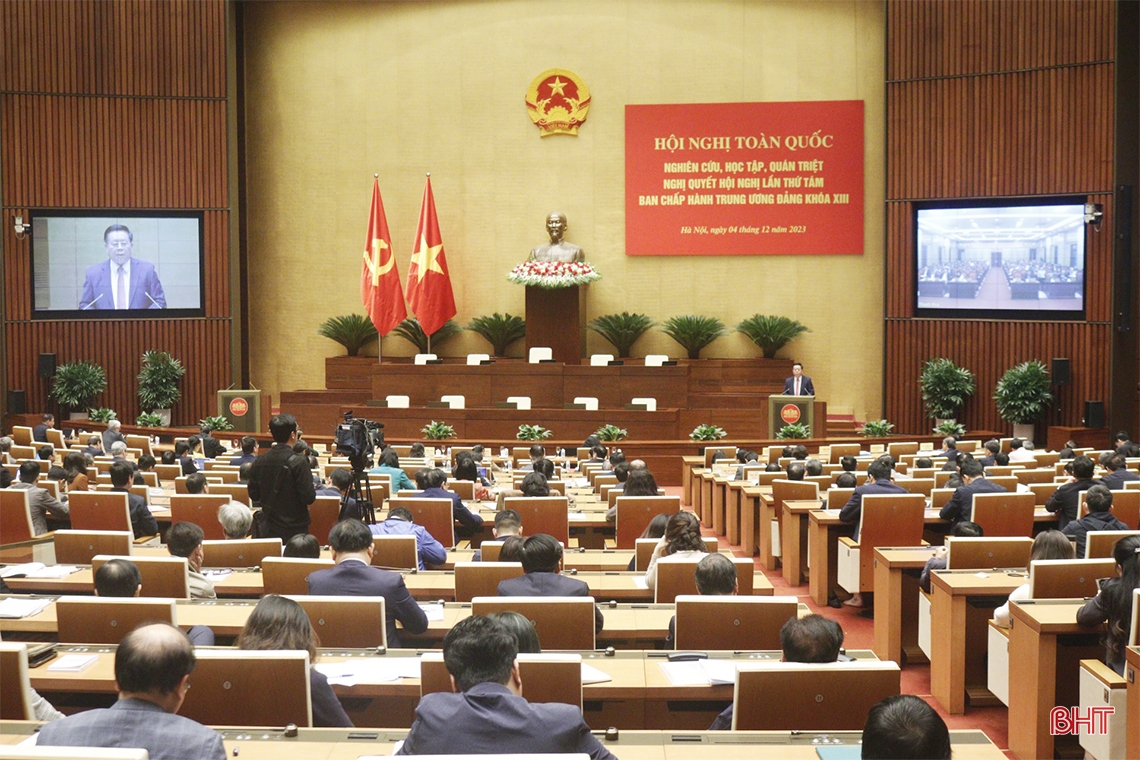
point(1066, 499)
point(39, 433)
point(212, 447)
point(549, 584)
point(463, 515)
point(281, 484)
point(1093, 521)
point(110, 437)
point(806, 388)
point(136, 723)
point(1114, 481)
point(354, 578)
point(488, 719)
point(144, 282)
point(328, 712)
point(243, 459)
point(961, 504)
point(142, 521)
point(188, 466)
point(853, 509)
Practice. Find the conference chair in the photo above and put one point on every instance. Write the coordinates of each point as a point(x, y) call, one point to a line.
point(106, 620)
point(837, 498)
point(656, 360)
point(200, 509)
point(15, 516)
point(675, 578)
point(243, 552)
point(100, 510)
point(15, 684)
point(726, 453)
point(634, 513)
point(897, 449)
point(180, 483)
point(140, 442)
point(234, 491)
point(346, 621)
point(23, 453)
point(922, 472)
point(424, 359)
point(167, 473)
point(398, 552)
point(1068, 578)
point(1041, 492)
point(643, 550)
point(1125, 507)
point(916, 485)
point(1101, 687)
point(1026, 477)
point(1008, 482)
point(941, 478)
point(474, 579)
point(733, 623)
point(1004, 514)
point(788, 696)
point(286, 575)
point(543, 514)
point(1099, 544)
point(435, 515)
point(477, 359)
point(234, 687)
point(997, 470)
point(465, 488)
point(782, 491)
point(547, 677)
point(22, 435)
point(79, 547)
point(562, 622)
point(323, 515)
point(887, 520)
point(540, 354)
point(839, 450)
point(161, 576)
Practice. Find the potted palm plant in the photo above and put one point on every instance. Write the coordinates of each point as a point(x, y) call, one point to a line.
point(622, 330)
point(693, 332)
point(158, 383)
point(353, 331)
point(500, 330)
point(1022, 395)
point(771, 333)
point(76, 384)
point(411, 331)
point(945, 388)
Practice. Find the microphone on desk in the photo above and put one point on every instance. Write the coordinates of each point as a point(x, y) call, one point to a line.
point(88, 306)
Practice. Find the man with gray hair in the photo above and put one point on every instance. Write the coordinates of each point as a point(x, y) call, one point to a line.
point(5, 447)
point(94, 446)
point(236, 519)
point(112, 434)
point(119, 454)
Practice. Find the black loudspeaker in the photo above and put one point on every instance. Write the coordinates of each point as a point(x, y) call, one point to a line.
point(1060, 372)
point(1094, 414)
point(47, 365)
point(17, 402)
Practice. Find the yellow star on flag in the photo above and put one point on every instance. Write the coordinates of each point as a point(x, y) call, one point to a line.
point(427, 258)
point(556, 87)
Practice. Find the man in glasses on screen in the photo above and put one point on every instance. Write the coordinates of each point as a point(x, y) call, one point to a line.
point(122, 281)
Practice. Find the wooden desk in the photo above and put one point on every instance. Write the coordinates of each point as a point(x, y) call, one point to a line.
point(688, 465)
point(1045, 649)
point(706, 495)
point(896, 602)
point(793, 538)
point(733, 499)
point(961, 604)
point(719, 499)
point(1132, 660)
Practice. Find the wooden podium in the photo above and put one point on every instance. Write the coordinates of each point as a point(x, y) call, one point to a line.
point(784, 410)
point(557, 319)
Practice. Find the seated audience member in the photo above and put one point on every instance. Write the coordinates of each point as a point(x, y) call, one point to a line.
point(184, 539)
point(949, 448)
point(182, 453)
point(615, 458)
point(212, 448)
point(1100, 517)
point(342, 482)
point(542, 568)
point(46, 453)
point(961, 502)
point(248, 452)
point(1067, 496)
point(112, 434)
point(1118, 473)
point(59, 475)
point(787, 452)
point(621, 472)
point(145, 464)
point(465, 469)
point(810, 639)
point(196, 484)
point(1049, 544)
point(353, 575)
point(772, 467)
point(329, 489)
point(991, 447)
point(236, 519)
point(434, 481)
point(508, 522)
point(591, 441)
point(1066, 452)
point(168, 456)
point(281, 623)
point(813, 468)
point(119, 454)
point(796, 471)
point(905, 726)
point(715, 576)
point(848, 463)
point(94, 446)
point(142, 521)
point(800, 452)
point(846, 480)
point(1114, 602)
point(488, 714)
point(640, 482)
point(682, 541)
point(543, 467)
point(152, 670)
point(121, 578)
point(5, 477)
point(400, 523)
point(418, 451)
point(534, 485)
point(511, 550)
point(1001, 459)
point(745, 458)
point(655, 529)
point(521, 628)
point(964, 529)
point(303, 546)
point(878, 483)
point(597, 455)
point(390, 465)
point(243, 473)
point(1122, 443)
point(924, 463)
point(1021, 451)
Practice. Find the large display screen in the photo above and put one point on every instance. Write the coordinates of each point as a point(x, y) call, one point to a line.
point(116, 264)
point(1010, 259)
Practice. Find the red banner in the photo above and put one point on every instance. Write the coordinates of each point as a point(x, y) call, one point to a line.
point(743, 179)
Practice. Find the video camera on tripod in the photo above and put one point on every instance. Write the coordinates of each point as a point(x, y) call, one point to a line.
point(358, 440)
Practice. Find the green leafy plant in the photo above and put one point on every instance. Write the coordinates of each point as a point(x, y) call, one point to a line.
point(793, 431)
point(611, 433)
point(500, 330)
point(217, 422)
point(353, 331)
point(77, 383)
point(148, 419)
point(945, 387)
point(437, 431)
point(102, 414)
point(706, 432)
point(622, 330)
point(411, 331)
point(771, 333)
point(1022, 394)
point(158, 380)
point(533, 433)
point(694, 332)
point(876, 429)
point(950, 427)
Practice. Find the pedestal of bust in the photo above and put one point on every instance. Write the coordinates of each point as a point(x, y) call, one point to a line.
point(557, 319)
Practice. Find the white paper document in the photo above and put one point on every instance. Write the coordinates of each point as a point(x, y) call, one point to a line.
point(54, 571)
point(369, 670)
point(590, 674)
point(14, 608)
point(700, 672)
point(74, 663)
point(433, 612)
point(639, 581)
point(24, 569)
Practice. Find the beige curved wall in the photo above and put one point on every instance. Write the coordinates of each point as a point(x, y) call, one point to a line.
point(338, 91)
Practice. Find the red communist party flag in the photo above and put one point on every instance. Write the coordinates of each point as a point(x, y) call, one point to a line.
point(379, 279)
point(429, 283)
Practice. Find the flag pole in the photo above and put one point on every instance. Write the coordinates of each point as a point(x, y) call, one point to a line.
point(429, 337)
point(379, 338)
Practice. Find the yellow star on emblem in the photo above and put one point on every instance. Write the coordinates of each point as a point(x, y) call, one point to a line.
point(556, 87)
point(427, 258)
point(377, 269)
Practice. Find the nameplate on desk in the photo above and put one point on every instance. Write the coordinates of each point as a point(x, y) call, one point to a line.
point(544, 361)
point(506, 405)
point(637, 407)
point(484, 361)
point(573, 406)
point(439, 404)
point(670, 363)
point(615, 363)
point(434, 361)
point(377, 402)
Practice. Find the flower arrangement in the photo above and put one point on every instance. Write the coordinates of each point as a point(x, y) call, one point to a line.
point(553, 274)
point(707, 432)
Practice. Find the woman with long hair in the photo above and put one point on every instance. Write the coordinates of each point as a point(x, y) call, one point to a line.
point(76, 467)
point(280, 623)
point(1049, 544)
point(640, 483)
point(1114, 602)
point(682, 540)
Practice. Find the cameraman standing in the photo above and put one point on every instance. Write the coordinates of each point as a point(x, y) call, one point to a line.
point(281, 484)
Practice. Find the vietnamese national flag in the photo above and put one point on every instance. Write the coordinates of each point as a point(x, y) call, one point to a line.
point(379, 279)
point(429, 283)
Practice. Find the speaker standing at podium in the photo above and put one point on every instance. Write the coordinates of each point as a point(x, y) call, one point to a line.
point(798, 384)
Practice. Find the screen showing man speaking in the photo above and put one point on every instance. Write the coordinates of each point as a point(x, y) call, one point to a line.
point(125, 264)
